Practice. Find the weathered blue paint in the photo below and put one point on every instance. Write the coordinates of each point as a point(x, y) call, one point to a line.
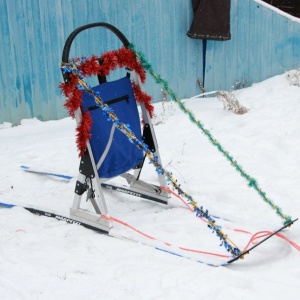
point(264, 43)
point(33, 32)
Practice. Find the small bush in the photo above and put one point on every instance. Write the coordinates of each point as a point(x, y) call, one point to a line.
point(231, 103)
point(294, 77)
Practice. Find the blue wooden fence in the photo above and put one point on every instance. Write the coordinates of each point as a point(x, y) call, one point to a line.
point(264, 43)
point(33, 32)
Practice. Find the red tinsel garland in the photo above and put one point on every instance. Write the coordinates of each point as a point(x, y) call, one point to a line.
point(143, 97)
point(83, 132)
point(109, 61)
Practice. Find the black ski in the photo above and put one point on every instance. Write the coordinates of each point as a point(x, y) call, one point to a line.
point(104, 185)
point(132, 193)
point(40, 212)
point(241, 255)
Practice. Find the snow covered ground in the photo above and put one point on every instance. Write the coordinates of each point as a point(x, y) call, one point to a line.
point(42, 258)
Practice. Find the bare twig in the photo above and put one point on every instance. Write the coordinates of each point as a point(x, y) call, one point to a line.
point(201, 85)
point(294, 77)
point(231, 103)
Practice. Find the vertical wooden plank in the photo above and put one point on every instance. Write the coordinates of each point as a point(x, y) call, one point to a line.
point(255, 23)
point(153, 42)
point(158, 50)
point(28, 57)
point(266, 53)
point(209, 67)
point(221, 57)
point(288, 45)
point(50, 55)
point(219, 65)
point(192, 55)
point(41, 70)
point(296, 45)
point(243, 42)
point(278, 40)
point(58, 43)
point(231, 66)
point(19, 81)
point(169, 44)
point(7, 92)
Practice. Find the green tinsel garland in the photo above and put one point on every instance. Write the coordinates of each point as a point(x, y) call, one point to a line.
point(251, 181)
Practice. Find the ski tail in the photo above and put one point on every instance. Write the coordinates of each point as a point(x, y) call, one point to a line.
point(241, 255)
point(36, 171)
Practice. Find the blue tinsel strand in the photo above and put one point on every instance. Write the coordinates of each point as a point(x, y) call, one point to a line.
point(153, 159)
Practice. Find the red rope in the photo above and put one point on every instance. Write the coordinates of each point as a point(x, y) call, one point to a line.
point(254, 237)
point(110, 218)
point(264, 233)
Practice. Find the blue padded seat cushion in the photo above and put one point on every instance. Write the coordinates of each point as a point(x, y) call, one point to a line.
point(122, 154)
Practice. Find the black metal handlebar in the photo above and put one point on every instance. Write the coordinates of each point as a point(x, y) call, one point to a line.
point(68, 43)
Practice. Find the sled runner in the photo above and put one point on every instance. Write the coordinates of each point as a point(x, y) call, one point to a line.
point(107, 153)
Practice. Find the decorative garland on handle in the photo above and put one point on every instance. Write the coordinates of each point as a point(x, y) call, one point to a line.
point(251, 181)
point(74, 69)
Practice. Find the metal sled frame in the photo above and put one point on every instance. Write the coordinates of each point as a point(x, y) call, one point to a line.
point(89, 183)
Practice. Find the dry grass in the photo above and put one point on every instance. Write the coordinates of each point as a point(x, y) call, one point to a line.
point(231, 103)
point(167, 110)
point(294, 77)
point(228, 98)
point(201, 85)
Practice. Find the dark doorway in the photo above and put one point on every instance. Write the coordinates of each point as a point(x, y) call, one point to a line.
point(291, 7)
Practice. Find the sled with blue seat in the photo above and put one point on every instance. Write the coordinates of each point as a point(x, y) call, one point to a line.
point(109, 153)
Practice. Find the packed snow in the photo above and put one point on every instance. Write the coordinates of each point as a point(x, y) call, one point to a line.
point(43, 258)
